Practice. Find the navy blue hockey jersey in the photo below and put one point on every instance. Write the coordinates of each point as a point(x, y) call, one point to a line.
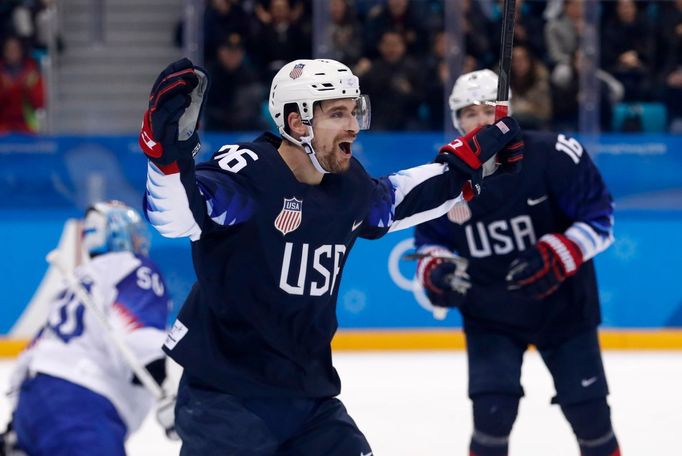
point(269, 253)
point(559, 190)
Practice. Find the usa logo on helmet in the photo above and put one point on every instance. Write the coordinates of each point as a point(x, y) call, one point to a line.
point(297, 71)
point(290, 216)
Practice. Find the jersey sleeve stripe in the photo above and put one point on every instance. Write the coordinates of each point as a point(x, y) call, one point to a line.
point(405, 181)
point(421, 217)
point(588, 239)
point(167, 207)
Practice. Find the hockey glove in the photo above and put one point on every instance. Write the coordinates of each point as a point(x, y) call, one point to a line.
point(169, 128)
point(467, 153)
point(165, 415)
point(510, 158)
point(539, 271)
point(444, 278)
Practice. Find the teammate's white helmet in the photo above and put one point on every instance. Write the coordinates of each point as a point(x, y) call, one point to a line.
point(114, 227)
point(475, 88)
point(304, 82)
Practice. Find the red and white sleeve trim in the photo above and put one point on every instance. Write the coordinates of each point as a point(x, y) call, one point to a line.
point(436, 255)
point(568, 251)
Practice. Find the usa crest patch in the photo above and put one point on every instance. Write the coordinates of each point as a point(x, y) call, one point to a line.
point(459, 213)
point(290, 216)
point(296, 71)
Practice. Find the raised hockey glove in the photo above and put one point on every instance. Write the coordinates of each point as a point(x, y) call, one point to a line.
point(169, 127)
point(444, 278)
point(511, 157)
point(467, 153)
point(165, 415)
point(539, 271)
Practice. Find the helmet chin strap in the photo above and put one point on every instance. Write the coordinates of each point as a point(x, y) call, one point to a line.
point(306, 142)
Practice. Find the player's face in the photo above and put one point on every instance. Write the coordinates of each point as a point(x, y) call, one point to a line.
point(474, 116)
point(335, 128)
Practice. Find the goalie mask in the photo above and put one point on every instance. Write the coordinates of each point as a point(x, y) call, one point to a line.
point(305, 82)
point(475, 88)
point(114, 227)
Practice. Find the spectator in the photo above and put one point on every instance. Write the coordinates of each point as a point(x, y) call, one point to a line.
point(21, 89)
point(477, 32)
point(561, 38)
point(236, 93)
point(532, 100)
point(345, 33)
point(671, 74)
point(627, 50)
point(222, 18)
point(398, 16)
point(283, 38)
point(566, 97)
point(528, 28)
point(395, 79)
point(434, 86)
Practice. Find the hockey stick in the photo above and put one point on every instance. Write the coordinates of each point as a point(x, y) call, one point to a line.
point(55, 259)
point(461, 264)
point(503, 81)
point(506, 45)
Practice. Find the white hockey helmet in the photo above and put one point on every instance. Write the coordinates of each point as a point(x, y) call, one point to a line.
point(475, 88)
point(304, 82)
point(112, 226)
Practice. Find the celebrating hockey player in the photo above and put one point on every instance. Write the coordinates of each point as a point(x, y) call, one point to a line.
point(528, 242)
point(271, 224)
point(77, 394)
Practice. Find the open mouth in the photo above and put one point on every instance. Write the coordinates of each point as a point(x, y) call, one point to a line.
point(345, 147)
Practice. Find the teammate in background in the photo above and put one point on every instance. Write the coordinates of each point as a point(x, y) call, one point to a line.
point(271, 224)
point(528, 241)
point(76, 393)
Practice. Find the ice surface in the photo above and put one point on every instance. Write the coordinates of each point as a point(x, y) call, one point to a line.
point(415, 403)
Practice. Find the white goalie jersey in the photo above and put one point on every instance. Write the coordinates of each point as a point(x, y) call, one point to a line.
point(74, 346)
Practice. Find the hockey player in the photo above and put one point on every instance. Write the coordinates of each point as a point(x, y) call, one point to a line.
point(528, 241)
point(271, 224)
point(76, 393)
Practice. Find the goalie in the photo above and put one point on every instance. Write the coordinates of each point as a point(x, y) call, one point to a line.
point(75, 393)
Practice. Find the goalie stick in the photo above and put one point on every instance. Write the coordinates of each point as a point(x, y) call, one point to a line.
point(55, 259)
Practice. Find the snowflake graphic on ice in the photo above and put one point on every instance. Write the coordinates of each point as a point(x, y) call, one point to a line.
point(625, 248)
point(354, 301)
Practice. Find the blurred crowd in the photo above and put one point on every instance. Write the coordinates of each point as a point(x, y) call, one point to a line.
point(23, 40)
point(398, 49)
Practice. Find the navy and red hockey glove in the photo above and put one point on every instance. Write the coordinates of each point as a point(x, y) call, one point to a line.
point(445, 284)
point(169, 128)
point(467, 153)
point(539, 271)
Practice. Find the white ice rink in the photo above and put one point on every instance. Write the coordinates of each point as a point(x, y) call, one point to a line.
point(414, 403)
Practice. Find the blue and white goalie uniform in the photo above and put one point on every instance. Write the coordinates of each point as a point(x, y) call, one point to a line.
point(74, 347)
point(285, 244)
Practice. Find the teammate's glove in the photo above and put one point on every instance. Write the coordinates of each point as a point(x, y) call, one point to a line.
point(169, 127)
point(467, 153)
point(444, 280)
point(539, 271)
point(165, 415)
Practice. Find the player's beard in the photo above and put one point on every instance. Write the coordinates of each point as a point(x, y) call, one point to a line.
point(334, 160)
